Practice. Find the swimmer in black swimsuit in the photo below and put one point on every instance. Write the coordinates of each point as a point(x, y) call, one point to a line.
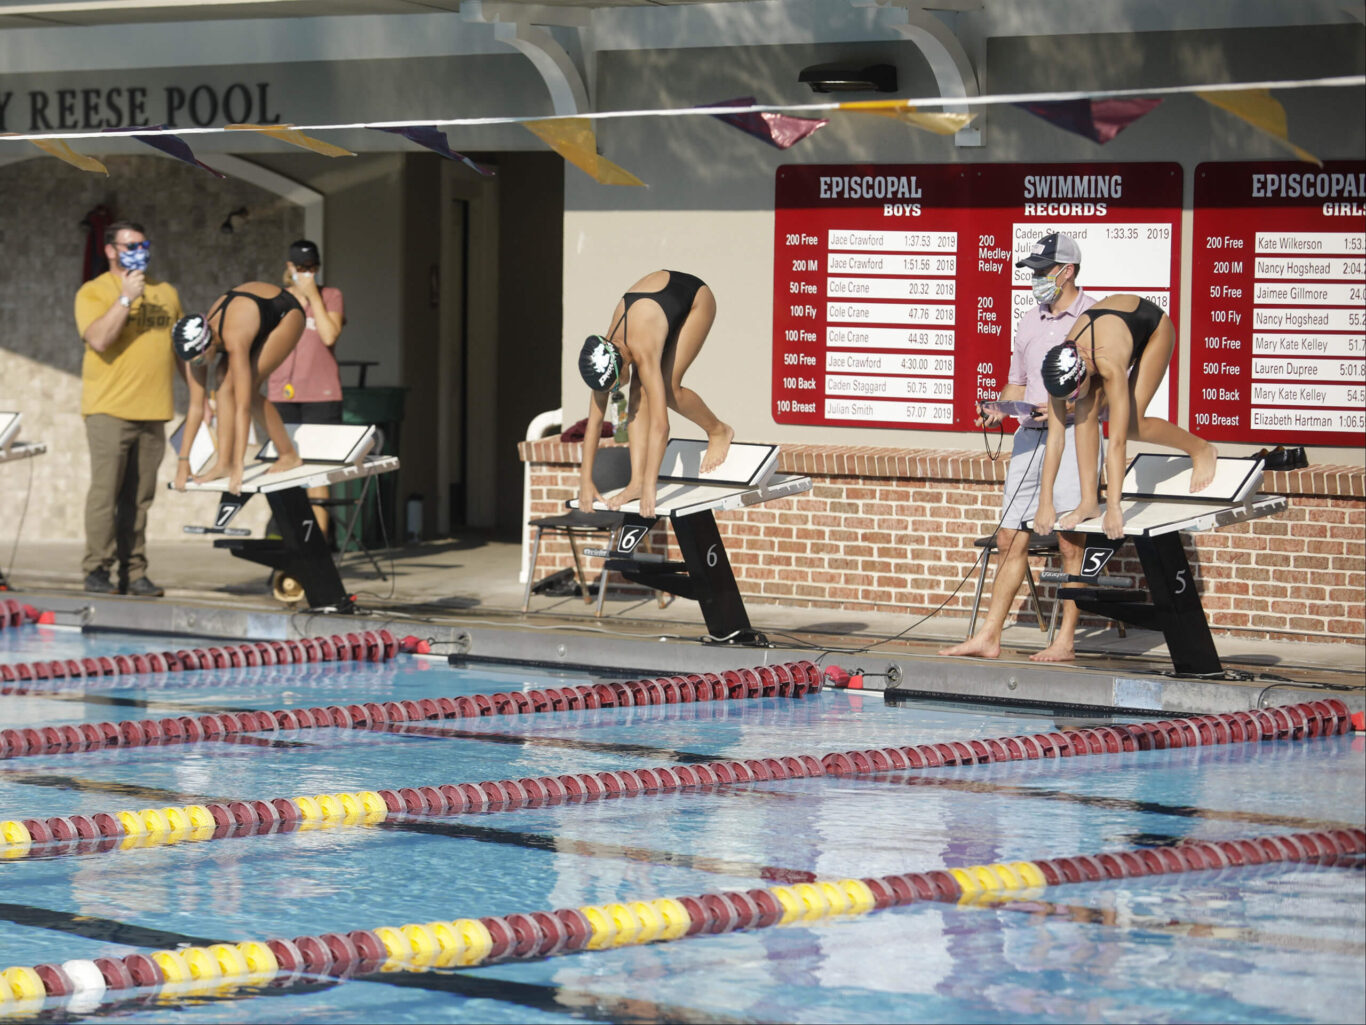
point(657, 330)
point(254, 326)
point(1117, 354)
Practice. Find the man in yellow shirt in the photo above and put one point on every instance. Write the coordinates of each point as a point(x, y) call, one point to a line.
point(124, 318)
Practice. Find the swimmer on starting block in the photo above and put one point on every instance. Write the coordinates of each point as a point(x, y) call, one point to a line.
point(1118, 353)
point(657, 330)
point(248, 332)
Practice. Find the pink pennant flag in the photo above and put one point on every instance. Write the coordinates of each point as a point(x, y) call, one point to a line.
point(1098, 120)
point(780, 130)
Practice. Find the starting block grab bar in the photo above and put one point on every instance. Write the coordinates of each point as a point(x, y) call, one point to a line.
point(11, 448)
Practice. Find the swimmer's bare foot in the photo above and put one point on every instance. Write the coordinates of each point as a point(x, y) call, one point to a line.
point(1203, 465)
point(979, 645)
point(286, 462)
point(213, 473)
point(718, 444)
point(1087, 511)
point(627, 494)
point(1058, 651)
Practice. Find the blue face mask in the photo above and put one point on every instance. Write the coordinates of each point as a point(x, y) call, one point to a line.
point(134, 258)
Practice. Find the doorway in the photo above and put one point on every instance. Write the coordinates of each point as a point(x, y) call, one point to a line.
point(500, 282)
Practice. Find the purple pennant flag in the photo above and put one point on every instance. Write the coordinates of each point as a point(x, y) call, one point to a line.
point(1098, 120)
point(435, 139)
point(171, 145)
point(780, 130)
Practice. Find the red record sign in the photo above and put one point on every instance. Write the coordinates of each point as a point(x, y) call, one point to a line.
point(895, 287)
point(1278, 312)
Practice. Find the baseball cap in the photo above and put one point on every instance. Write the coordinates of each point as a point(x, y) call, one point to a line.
point(1051, 249)
point(304, 253)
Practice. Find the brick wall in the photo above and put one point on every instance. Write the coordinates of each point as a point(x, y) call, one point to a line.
point(892, 530)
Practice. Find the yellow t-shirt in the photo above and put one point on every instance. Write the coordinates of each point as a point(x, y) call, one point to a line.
point(132, 378)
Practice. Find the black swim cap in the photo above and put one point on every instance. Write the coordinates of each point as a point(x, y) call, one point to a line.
point(191, 337)
point(1063, 370)
point(599, 362)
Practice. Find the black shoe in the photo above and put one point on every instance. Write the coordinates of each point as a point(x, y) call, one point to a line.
point(98, 582)
point(144, 588)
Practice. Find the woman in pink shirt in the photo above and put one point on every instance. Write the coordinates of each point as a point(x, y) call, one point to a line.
point(306, 387)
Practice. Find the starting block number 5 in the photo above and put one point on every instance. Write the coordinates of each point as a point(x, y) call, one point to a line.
point(1094, 560)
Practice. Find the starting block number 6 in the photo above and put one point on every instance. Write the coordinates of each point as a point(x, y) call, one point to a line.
point(711, 556)
point(630, 537)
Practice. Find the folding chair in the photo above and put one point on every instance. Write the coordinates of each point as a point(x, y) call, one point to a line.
point(1039, 544)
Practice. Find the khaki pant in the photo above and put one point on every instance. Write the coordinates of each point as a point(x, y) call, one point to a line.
point(124, 457)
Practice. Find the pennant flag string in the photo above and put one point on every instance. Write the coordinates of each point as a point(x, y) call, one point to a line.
point(909, 104)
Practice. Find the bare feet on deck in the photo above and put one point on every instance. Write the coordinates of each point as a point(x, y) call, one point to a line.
point(1088, 511)
point(718, 444)
point(1055, 652)
point(1203, 465)
point(978, 645)
point(283, 464)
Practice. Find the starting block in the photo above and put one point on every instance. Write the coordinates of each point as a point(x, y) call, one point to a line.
point(12, 450)
point(1158, 508)
point(690, 499)
point(331, 454)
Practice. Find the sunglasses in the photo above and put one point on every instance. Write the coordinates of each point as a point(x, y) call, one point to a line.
point(144, 244)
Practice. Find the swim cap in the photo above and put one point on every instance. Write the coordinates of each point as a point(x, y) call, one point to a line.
point(191, 337)
point(1063, 370)
point(599, 362)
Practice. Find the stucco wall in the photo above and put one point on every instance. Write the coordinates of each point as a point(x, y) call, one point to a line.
point(182, 209)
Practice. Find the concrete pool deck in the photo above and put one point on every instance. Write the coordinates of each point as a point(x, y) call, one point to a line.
point(464, 593)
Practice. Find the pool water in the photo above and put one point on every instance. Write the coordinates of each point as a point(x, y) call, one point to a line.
point(1268, 943)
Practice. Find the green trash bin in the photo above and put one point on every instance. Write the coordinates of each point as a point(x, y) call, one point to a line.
point(383, 407)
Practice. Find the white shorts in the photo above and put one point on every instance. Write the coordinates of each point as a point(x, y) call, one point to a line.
point(1021, 498)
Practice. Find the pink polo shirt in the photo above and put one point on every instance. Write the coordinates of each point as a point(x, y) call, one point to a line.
point(311, 368)
point(1038, 331)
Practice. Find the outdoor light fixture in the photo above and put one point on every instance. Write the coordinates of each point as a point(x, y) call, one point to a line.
point(847, 78)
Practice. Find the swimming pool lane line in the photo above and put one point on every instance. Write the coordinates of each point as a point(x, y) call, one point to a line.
point(146, 827)
point(466, 942)
point(368, 646)
point(792, 679)
point(12, 613)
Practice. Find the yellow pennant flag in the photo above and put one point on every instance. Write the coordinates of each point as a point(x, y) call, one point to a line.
point(939, 124)
point(63, 152)
point(574, 139)
point(292, 135)
point(1259, 109)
